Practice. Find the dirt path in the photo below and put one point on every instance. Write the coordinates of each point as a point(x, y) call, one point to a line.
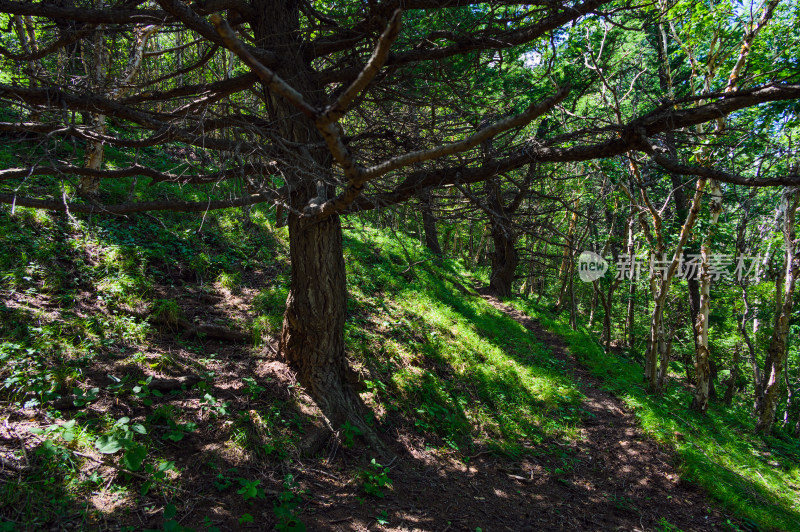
point(624, 480)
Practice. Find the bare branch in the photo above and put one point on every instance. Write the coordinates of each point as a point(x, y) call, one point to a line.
point(534, 111)
point(80, 14)
point(725, 177)
point(143, 206)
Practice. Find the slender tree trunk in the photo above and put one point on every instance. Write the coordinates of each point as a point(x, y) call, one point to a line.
point(657, 346)
point(702, 367)
point(776, 353)
point(566, 259)
point(631, 309)
point(97, 71)
point(751, 351)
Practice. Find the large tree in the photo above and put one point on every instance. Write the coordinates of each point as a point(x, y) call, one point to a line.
point(323, 111)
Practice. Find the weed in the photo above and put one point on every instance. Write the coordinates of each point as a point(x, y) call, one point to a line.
point(375, 479)
point(142, 391)
point(349, 433)
point(252, 388)
point(121, 437)
point(214, 406)
point(230, 281)
point(665, 526)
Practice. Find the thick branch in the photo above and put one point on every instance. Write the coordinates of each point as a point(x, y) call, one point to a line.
point(531, 113)
point(356, 183)
point(633, 137)
point(131, 171)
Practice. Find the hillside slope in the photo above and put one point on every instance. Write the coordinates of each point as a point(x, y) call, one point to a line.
point(141, 389)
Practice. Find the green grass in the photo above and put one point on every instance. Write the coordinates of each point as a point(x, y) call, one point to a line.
point(462, 369)
point(756, 478)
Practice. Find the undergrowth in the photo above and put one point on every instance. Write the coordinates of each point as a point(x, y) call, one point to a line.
point(91, 313)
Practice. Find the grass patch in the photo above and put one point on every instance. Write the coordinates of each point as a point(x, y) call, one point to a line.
point(447, 359)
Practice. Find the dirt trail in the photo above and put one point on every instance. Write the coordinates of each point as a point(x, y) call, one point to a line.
point(624, 481)
point(618, 480)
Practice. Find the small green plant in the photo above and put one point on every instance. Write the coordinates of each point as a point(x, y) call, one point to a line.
point(156, 474)
point(349, 433)
point(250, 489)
point(382, 518)
point(253, 389)
point(665, 526)
point(285, 508)
point(142, 391)
point(375, 478)
point(67, 431)
point(121, 436)
point(214, 406)
point(222, 482)
point(170, 523)
point(82, 398)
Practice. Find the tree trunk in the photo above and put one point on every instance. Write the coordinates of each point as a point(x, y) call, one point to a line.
point(657, 346)
point(504, 261)
point(312, 339)
point(776, 353)
point(730, 389)
point(429, 224)
point(702, 367)
point(566, 259)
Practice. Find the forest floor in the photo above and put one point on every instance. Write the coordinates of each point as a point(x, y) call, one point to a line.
point(611, 477)
point(615, 478)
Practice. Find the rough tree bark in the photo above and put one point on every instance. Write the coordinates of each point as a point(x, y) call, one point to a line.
point(312, 339)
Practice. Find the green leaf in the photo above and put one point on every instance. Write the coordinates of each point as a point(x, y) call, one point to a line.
point(108, 444)
point(170, 511)
point(134, 456)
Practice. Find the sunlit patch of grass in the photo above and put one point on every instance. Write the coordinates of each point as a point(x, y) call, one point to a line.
point(459, 368)
point(230, 281)
point(757, 478)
